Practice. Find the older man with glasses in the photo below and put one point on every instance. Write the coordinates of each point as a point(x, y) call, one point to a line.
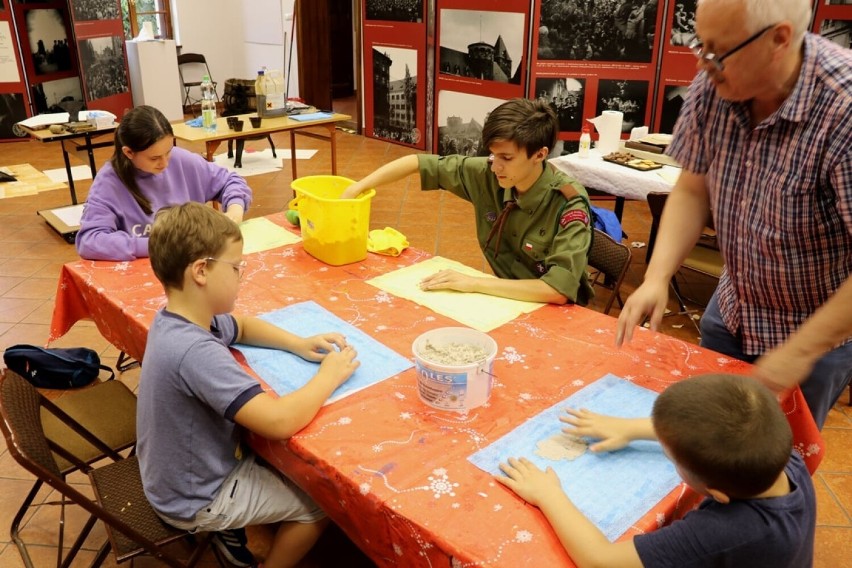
point(765, 139)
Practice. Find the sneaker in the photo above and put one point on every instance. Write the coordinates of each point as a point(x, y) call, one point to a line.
point(232, 544)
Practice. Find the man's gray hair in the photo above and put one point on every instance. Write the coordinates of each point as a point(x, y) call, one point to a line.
point(763, 13)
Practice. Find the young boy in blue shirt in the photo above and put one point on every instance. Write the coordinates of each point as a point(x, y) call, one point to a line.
point(195, 400)
point(731, 442)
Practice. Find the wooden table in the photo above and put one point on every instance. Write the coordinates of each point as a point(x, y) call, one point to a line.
point(73, 139)
point(391, 471)
point(268, 126)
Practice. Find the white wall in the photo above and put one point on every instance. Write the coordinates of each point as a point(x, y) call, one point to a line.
point(237, 38)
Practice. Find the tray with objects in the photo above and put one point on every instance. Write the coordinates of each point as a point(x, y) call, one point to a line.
point(629, 160)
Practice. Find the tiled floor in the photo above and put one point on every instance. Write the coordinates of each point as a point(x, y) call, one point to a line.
point(31, 255)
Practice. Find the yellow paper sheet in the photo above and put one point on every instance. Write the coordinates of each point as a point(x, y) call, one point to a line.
point(262, 234)
point(478, 311)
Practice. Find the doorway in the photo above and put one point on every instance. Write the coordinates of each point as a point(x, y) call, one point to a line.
point(330, 62)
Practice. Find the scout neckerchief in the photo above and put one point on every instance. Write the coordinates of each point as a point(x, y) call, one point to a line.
point(497, 227)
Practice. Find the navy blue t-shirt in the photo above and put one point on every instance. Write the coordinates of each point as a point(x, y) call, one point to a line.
point(773, 533)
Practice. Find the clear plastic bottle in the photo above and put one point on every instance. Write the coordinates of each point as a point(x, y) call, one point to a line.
point(260, 92)
point(208, 105)
point(585, 141)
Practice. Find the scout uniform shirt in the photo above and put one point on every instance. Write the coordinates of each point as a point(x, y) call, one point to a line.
point(546, 236)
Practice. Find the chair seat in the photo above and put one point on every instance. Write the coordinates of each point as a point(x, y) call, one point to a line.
point(705, 260)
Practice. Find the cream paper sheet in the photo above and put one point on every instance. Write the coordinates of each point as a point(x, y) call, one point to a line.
point(475, 310)
point(262, 234)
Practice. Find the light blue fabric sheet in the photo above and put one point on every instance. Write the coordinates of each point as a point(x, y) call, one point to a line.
point(285, 372)
point(614, 490)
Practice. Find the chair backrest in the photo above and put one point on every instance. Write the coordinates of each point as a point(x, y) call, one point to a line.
point(611, 259)
point(21, 407)
point(193, 76)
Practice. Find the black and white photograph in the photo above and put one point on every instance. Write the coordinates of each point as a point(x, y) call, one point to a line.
point(85, 10)
point(838, 2)
point(460, 120)
point(395, 94)
point(47, 96)
point(48, 39)
point(102, 60)
point(395, 10)
point(483, 45)
point(673, 98)
point(566, 98)
point(683, 22)
point(604, 30)
point(12, 111)
point(629, 97)
point(838, 31)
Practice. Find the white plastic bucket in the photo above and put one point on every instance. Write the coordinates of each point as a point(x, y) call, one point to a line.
point(459, 387)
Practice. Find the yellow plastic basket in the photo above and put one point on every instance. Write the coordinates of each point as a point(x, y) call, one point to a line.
point(334, 230)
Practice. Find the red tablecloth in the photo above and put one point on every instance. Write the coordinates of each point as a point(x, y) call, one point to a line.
point(392, 472)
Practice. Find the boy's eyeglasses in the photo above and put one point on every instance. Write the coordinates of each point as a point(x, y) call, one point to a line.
point(696, 46)
point(239, 267)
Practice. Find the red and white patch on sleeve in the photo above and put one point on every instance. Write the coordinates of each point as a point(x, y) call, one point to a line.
point(574, 215)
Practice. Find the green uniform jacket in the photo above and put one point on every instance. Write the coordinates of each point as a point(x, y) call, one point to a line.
point(542, 238)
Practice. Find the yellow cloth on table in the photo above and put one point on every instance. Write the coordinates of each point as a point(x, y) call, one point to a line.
point(387, 241)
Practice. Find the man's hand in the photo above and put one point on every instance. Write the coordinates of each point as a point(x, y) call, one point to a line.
point(529, 482)
point(651, 299)
point(614, 433)
point(317, 347)
point(449, 280)
point(783, 367)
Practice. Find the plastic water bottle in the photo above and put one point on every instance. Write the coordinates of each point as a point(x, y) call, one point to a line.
point(208, 105)
point(260, 92)
point(585, 141)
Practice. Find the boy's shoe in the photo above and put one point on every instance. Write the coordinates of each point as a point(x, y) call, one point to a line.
point(232, 544)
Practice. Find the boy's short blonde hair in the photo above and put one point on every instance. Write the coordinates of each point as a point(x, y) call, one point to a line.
point(727, 430)
point(182, 234)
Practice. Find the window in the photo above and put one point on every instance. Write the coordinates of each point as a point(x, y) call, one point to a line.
point(137, 12)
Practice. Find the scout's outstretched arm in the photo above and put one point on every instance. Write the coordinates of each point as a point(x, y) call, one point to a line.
point(390, 172)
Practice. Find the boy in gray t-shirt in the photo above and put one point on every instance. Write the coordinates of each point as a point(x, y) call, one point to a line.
point(195, 400)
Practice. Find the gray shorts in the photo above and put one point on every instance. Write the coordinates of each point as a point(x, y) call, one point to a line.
point(253, 494)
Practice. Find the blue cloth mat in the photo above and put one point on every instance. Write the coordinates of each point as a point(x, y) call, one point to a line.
point(614, 489)
point(195, 122)
point(286, 372)
point(311, 116)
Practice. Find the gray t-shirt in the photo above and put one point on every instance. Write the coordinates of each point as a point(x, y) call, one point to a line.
point(189, 391)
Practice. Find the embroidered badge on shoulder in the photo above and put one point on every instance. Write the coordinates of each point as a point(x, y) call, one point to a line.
point(574, 215)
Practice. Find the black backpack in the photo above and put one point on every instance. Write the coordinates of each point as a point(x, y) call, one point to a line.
point(55, 368)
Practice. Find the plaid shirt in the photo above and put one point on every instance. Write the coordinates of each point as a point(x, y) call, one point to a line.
point(781, 194)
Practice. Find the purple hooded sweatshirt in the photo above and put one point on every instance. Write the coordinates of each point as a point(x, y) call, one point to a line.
point(114, 227)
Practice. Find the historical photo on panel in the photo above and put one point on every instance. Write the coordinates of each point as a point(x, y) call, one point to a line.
point(102, 60)
point(48, 95)
point(95, 10)
point(603, 30)
point(673, 98)
point(838, 31)
point(48, 40)
point(12, 111)
point(395, 94)
point(460, 120)
point(683, 22)
point(395, 10)
point(629, 97)
point(566, 98)
point(844, 2)
point(483, 45)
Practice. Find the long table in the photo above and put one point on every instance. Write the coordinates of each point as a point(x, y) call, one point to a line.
point(269, 125)
point(391, 471)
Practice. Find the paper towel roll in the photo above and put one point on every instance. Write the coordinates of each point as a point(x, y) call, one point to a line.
point(608, 125)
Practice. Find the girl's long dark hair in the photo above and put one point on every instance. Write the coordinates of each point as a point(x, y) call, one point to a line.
point(138, 130)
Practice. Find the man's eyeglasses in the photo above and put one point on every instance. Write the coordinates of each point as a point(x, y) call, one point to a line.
point(239, 267)
point(696, 46)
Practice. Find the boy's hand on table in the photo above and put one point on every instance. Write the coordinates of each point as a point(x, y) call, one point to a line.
point(448, 280)
point(340, 365)
point(613, 433)
point(317, 347)
point(529, 482)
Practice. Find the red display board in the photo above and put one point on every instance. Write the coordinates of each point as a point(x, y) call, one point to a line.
point(677, 66)
point(14, 98)
point(833, 19)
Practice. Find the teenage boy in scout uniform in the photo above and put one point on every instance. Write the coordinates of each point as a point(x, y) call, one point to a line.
point(533, 222)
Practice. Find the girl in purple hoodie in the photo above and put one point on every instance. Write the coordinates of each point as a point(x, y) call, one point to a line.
point(148, 172)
